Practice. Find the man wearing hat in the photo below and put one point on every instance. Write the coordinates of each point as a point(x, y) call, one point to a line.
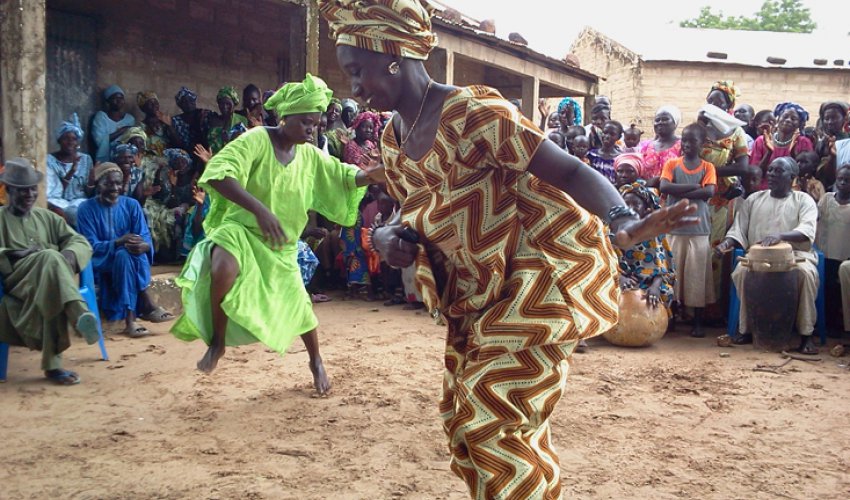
point(107, 126)
point(40, 256)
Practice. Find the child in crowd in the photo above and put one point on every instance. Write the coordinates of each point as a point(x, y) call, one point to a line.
point(558, 139)
point(600, 113)
point(573, 132)
point(602, 158)
point(692, 178)
point(833, 239)
point(649, 264)
point(751, 181)
point(631, 136)
point(806, 182)
point(581, 146)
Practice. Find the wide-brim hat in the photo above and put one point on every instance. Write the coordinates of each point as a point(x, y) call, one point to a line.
point(19, 172)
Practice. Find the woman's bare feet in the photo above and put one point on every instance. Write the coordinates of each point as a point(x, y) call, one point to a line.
point(210, 360)
point(320, 378)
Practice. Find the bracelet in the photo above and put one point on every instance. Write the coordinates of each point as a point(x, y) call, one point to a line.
point(619, 211)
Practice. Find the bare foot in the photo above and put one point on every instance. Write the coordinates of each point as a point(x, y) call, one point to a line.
point(320, 378)
point(210, 360)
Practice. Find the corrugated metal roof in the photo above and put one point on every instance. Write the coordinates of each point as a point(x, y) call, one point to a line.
point(766, 49)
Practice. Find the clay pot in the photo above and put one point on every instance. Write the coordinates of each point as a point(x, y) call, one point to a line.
point(639, 325)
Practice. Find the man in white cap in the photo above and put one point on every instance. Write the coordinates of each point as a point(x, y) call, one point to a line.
point(40, 256)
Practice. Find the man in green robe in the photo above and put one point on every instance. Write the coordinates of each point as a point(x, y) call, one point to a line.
point(39, 258)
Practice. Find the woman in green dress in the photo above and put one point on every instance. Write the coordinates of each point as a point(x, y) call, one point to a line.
point(243, 278)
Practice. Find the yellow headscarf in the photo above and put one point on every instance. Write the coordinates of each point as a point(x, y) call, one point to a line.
point(310, 96)
point(144, 97)
point(395, 27)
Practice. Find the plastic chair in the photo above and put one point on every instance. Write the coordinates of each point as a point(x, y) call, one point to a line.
point(820, 302)
point(88, 293)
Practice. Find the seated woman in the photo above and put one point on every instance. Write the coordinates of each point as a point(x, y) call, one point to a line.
point(115, 227)
point(602, 158)
point(171, 198)
point(70, 179)
point(221, 123)
point(786, 140)
point(649, 264)
point(125, 155)
point(157, 125)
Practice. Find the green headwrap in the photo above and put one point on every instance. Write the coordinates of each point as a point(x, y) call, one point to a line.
point(310, 96)
point(230, 93)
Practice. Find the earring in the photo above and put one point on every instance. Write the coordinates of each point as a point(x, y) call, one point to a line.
point(393, 68)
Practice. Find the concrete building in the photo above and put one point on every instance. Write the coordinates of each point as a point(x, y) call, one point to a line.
point(57, 56)
point(647, 70)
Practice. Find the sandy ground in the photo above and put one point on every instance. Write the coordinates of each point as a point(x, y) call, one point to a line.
point(675, 420)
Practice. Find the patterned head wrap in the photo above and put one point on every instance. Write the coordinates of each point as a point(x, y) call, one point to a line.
point(119, 149)
point(228, 92)
point(310, 96)
point(173, 154)
point(728, 89)
point(640, 190)
point(105, 168)
point(569, 101)
point(184, 92)
point(143, 97)
point(111, 91)
point(72, 125)
point(368, 116)
point(671, 110)
point(395, 27)
point(335, 102)
point(785, 106)
point(630, 158)
point(131, 132)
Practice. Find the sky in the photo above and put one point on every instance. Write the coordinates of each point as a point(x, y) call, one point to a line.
point(550, 26)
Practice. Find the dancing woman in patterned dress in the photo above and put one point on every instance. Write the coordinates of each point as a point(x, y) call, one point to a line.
point(513, 254)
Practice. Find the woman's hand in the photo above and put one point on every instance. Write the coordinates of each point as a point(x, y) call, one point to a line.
point(627, 282)
point(768, 140)
point(653, 294)
point(629, 232)
point(393, 249)
point(271, 228)
point(375, 173)
point(198, 195)
point(203, 153)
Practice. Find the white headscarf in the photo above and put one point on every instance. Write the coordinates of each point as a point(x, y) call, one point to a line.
point(671, 110)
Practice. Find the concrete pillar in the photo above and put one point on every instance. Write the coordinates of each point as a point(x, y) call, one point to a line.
point(441, 66)
point(530, 95)
point(23, 82)
point(298, 46)
point(589, 101)
point(312, 37)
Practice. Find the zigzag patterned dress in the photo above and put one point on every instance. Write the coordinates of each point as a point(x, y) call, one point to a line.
point(518, 272)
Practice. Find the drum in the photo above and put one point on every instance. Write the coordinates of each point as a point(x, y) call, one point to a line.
point(640, 325)
point(771, 288)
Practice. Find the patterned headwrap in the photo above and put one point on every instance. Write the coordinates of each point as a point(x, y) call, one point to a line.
point(630, 158)
point(131, 132)
point(785, 106)
point(335, 102)
point(104, 168)
point(72, 125)
point(310, 96)
point(184, 92)
point(671, 110)
point(728, 88)
point(173, 154)
point(569, 101)
point(111, 91)
point(228, 92)
point(119, 149)
point(395, 27)
point(640, 190)
point(143, 97)
point(371, 117)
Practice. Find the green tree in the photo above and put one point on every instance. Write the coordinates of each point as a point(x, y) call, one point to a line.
point(774, 15)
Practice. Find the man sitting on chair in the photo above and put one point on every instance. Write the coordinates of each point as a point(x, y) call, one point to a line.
point(39, 258)
point(768, 218)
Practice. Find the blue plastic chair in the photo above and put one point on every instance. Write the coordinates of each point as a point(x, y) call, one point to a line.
point(820, 302)
point(89, 296)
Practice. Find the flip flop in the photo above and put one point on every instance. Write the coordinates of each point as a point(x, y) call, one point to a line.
point(158, 315)
point(138, 332)
point(63, 377)
point(87, 326)
point(320, 297)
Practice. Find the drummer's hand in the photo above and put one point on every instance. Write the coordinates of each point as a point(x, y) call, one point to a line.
point(627, 282)
point(629, 232)
point(770, 240)
point(395, 251)
point(723, 248)
point(653, 296)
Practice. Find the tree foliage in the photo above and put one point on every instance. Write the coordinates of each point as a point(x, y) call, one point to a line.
point(774, 15)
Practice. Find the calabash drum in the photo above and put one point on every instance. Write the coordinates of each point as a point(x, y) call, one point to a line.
point(640, 325)
point(771, 288)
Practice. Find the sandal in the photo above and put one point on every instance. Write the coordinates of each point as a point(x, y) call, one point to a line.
point(138, 332)
point(319, 297)
point(158, 315)
point(394, 301)
point(63, 377)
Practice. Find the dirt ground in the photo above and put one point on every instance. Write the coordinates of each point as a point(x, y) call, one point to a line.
point(676, 420)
